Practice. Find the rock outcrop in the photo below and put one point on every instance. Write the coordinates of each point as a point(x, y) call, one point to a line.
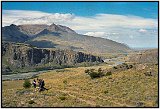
point(23, 55)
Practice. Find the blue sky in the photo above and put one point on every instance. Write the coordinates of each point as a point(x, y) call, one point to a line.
point(133, 23)
point(144, 9)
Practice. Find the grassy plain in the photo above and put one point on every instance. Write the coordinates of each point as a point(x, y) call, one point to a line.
point(72, 87)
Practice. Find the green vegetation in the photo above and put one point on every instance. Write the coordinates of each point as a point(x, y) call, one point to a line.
point(95, 74)
point(106, 91)
point(31, 101)
point(62, 97)
point(65, 81)
point(108, 73)
point(87, 71)
point(27, 84)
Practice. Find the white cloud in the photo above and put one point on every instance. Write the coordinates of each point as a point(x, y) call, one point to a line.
point(142, 30)
point(49, 19)
point(120, 28)
point(19, 17)
point(102, 34)
point(99, 21)
point(96, 34)
point(103, 21)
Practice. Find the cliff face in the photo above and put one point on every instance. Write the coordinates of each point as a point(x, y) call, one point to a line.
point(20, 55)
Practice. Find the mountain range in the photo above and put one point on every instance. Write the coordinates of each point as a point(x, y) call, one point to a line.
point(60, 37)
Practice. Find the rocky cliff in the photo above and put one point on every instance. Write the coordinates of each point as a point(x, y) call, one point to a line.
point(23, 55)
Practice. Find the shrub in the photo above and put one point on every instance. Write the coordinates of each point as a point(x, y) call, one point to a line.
point(86, 71)
point(139, 104)
point(65, 81)
point(108, 73)
point(31, 102)
point(105, 92)
point(109, 77)
point(127, 67)
point(99, 70)
point(130, 66)
point(148, 73)
point(94, 75)
point(115, 67)
point(92, 70)
point(62, 98)
point(27, 84)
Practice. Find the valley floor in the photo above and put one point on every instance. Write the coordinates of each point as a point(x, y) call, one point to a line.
point(72, 87)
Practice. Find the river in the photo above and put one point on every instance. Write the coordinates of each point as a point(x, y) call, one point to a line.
point(21, 75)
point(115, 61)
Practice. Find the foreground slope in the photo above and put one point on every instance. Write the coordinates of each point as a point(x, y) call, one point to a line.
point(71, 87)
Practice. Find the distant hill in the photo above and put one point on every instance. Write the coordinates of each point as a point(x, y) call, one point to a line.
point(62, 37)
point(13, 34)
point(145, 56)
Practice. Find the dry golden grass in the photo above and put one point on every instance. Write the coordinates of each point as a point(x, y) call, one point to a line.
point(71, 87)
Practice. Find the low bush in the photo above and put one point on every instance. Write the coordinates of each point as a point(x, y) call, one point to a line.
point(27, 84)
point(62, 97)
point(115, 67)
point(65, 81)
point(108, 73)
point(106, 91)
point(92, 70)
point(94, 74)
point(100, 70)
point(130, 66)
point(87, 71)
point(139, 104)
point(31, 102)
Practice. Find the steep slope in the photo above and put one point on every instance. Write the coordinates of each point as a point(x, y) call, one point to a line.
point(77, 42)
point(31, 30)
point(65, 38)
point(20, 55)
point(13, 34)
point(62, 37)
